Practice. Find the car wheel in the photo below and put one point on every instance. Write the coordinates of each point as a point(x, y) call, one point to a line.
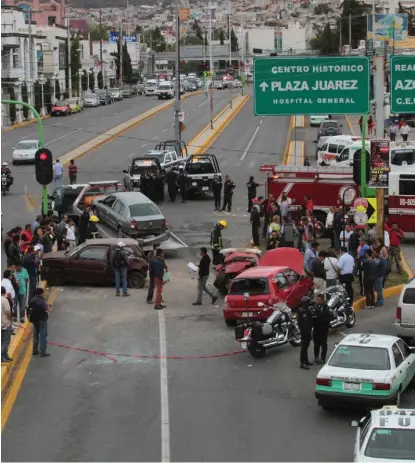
point(136, 280)
point(256, 350)
point(57, 278)
point(119, 232)
point(230, 322)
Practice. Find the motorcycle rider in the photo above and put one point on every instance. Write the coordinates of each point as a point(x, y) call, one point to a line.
point(91, 229)
point(216, 240)
point(305, 323)
point(321, 325)
point(217, 190)
point(7, 172)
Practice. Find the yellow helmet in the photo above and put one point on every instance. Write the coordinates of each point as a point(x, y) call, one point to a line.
point(223, 223)
point(93, 218)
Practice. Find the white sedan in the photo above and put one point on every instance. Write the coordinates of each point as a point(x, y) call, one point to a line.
point(316, 120)
point(25, 151)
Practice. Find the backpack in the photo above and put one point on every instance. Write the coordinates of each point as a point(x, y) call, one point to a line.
point(118, 260)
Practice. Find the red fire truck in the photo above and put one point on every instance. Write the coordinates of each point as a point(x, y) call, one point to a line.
point(328, 186)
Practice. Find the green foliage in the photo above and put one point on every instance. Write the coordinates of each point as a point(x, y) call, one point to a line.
point(57, 89)
point(326, 41)
point(91, 81)
point(12, 109)
point(100, 80)
point(25, 98)
point(191, 40)
point(127, 68)
point(75, 63)
point(156, 39)
point(96, 33)
point(197, 29)
point(411, 18)
point(84, 81)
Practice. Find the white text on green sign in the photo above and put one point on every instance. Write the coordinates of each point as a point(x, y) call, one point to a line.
point(403, 84)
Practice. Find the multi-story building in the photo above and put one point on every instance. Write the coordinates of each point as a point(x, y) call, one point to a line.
point(44, 12)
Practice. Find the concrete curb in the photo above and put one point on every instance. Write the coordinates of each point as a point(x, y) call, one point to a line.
point(23, 124)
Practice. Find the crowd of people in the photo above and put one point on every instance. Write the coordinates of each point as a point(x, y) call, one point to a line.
point(394, 129)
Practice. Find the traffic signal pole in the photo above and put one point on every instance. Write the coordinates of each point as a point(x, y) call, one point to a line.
point(363, 159)
point(41, 141)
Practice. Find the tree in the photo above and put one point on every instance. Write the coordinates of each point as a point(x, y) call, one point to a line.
point(358, 12)
point(138, 30)
point(96, 33)
point(100, 80)
point(197, 29)
point(84, 82)
point(25, 98)
point(127, 67)
point(155, 38)
point(91, 81)
point(12, 107)
point(75, 63)
point(57, 89)
point(411, 18)
point(191, 40)
point(326, 41)
point(234, 41)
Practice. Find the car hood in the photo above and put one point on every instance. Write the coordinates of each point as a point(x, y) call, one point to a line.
point(289, 257)
point(57, 255)
point(29, 151)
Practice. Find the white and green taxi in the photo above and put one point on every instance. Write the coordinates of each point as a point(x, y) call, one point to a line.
point(387, 434)
point(317, 119)
point(367, 370)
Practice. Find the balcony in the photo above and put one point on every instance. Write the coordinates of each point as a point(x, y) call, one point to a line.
point(12, 73)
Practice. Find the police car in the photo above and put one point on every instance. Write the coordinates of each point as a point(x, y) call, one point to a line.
point(387, 434)
point(366, 369)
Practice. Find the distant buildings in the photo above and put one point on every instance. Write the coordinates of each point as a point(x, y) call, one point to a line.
point(44, 12)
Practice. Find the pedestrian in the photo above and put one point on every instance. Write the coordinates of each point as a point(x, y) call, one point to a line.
point(26, 238)
point(370, 125)
point(321, 326)
point(31, 265)
point(345, 269)
point(305, 324)
point(267, 204)
point(151, 283)
point(36, 224)
point(309, 207)
point(337, 227)
point(345, 235)
point(393, 130)
point(143, 183)
point(22, 279)
point(395, 236)
point(255, 220)
point(329, 226)
point(228, 188)
point(369, 276)
point(330, 266)
point(7, 242)
point(57, 174)
point(73, 172)
point(151, 186)
point(361, 257)
point(318, 272)
point(6, 326)
point(14, 252)
point(309, 255)
point(120, 265)
point(285, 205)
point(360, 122)
point(381, 269)
point(61, 233)
point(70, 234)
point(157, 270)
point(273, 241)
point(203, 276)
point(354, 241)
point(38, 315)
point(288, 233)
point(183, 183)
point(7, 282)
point(159, 186)
point(217, 191)
point(251, 185)
point(309, 232)
point(171, 178)
point(404, 131)
point(216, 241)
point(275, 226)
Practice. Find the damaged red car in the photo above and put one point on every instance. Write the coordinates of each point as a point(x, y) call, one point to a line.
point(235, 261)
point(279, 277)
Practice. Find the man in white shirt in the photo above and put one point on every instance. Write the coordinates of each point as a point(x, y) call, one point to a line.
point(7, 283)
point(70, 234)
point(386, 239)
point(57, 174)
point(345, 236)
point(330, 266)
point(345, 267)
point(329, 225)
point(404, 131)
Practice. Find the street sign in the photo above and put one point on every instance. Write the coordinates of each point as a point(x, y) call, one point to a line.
point(371, 211)
point(402, 84)
point(181, 117)
point(311, 85)
point(360, 218)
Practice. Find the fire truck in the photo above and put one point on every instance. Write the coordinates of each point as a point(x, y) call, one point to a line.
point(328, 187)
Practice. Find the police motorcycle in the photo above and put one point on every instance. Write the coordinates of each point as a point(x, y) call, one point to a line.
point(341, 307)
point(280, 328)
point(4, 184)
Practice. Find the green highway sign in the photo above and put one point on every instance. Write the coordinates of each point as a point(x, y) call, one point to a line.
point(311, 85)
point(402, 84)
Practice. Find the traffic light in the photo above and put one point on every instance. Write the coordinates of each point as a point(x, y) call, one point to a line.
point(356, 167)
point(44, 166)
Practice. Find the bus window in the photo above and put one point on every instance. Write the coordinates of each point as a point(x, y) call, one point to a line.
point(407, 185)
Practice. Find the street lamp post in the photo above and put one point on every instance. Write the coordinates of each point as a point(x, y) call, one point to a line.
point(18, 84)
point(42, 82)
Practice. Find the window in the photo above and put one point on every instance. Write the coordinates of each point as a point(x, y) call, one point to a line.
point(340, 148)
point(203, 166)
point(324, 147)
point(397, 355)
point(62, 56)
point(406, 351)
point(109, 201)
point(409, 296)
point(391, 444)
point(402, 156)
point(407, 185)
point(118, 207)
point(365, 429)
point(142, 210)
point(252, 286)
point(281, 281)
point(360, 358)
point(51, 20)
point(292, 276)
point(94, 253)
point(344, 156)
point(15, 59)
point(332, 148)
point(167, 158)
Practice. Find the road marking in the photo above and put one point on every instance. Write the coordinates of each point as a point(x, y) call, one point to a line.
point(102, 118)
point(155, 138)
point(142, 146)
point(62, 136)
point(201, 104)
point(131, 155)
point(116, 114)
point(30, 134)
point(29, 204)
point(164, 391)
point(92, 123)
point(75, 118)
point(250, 144)
point(165, 130)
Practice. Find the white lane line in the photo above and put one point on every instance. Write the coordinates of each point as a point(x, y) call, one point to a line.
point(201, 104)
point(63, 136)
point(131, 155)
point(30, 134)
point(92, 123)
point(155, 138)
point(116, 114)
point(142, 146)
point(75, 118)
point(249, 144)
point(165, 130)
point(102, 118)
point(164, 391)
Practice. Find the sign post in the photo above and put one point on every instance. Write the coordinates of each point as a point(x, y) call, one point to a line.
point(402, 86)
point(311, 85)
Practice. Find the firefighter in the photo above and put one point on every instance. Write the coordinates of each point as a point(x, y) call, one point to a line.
point(217, 190)
point(216, 240)
point(91, 229)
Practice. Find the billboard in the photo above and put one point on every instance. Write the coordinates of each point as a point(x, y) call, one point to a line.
point(379, 163)
point(389, 27)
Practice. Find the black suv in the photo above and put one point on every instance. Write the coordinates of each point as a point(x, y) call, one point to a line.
point(329, 129)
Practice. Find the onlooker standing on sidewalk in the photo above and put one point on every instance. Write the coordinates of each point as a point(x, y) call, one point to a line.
point(38, 316)
point(404, 131)
point(318, 271)
point(393, 130)
point(329, 226)
point(14, 252)
point(157, 270)
point(360, 122)
point(6, 326)
point(381, 267)
point(361, 257)
point(70, 234)
point(369, 275)
point(30, 263)
point(73, 172)
point(370, 125)
point(6, 282)
point(120, 264)
point(57, 174)
point(22, 278)
point(204, 268)
point(330, 267)
point(395, 235)
point(345, 267)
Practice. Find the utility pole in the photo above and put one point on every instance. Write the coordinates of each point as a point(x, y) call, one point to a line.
point(210, 6)
point(100, 43)
point(340, 38)
point(177, 99)
point(69, 59)
point(350, 30)
point(230, 52)
point(30, 74)
point(120, 41)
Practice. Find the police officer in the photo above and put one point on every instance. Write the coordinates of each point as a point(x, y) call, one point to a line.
point(305, 323)
point(183, 183)
point(151, 186)
point(228, 188)
point(144, 183)
point(159, 187)
point(217, 190)
point(216, 240)
point(252, 186)
point(171, 178)
point(321, 325)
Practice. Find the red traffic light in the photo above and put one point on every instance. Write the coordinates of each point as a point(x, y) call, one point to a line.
point(44, 166)
point(43, 157)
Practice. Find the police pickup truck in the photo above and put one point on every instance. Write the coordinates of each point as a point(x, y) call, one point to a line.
point(200, 170)
point(138, 166)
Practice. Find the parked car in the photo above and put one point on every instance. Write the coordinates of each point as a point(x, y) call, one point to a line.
point(405, 312)
point(75, 105)
point(91, 100)
point(92, 263)
point(104, 97)
point(279, 277)
point(236, 84)
point(329, 129)
point(131, 214)
point(116, 94)
point(24, 151)
point(95, 190)
point(126, 91)
point(60, 108)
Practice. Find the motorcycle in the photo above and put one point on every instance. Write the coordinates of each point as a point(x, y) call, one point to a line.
point(4, 184)
point(280, 328)
point(341, 307)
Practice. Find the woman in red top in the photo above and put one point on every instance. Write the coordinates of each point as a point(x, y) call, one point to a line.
point(370, 125)
point(27, 237)
point(309, 205)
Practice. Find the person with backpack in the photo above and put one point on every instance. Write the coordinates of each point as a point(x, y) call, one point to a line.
point(37, 314)
point(120, 264)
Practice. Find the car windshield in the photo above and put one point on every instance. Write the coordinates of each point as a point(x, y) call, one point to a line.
point(61, 104)
point(151, 84)
point(360, 358)
point(403, 155)
point(202, 166)
point(114, 90)
point(252, 286)
point(332, 124)
point(90, 95)
point(143, 210)
point(27, 145)
point(391, 444)
point(164, 87)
